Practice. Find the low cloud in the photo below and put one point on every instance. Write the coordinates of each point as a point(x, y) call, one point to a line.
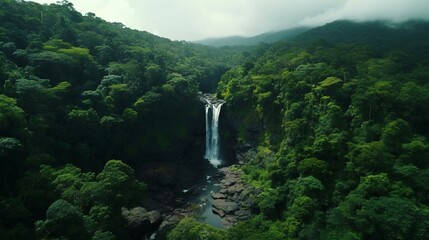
point(366, 10)
point(196, 19)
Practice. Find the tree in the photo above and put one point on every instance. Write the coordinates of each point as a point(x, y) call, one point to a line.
point(62, 220)
point(370, 157)
point(117, 185)
point(396, 133)
point(416, 151)
point(313, 167)
point(100, 235)
point(373, 186)
point(189, 229)
point(11, 116)
point(393, 218)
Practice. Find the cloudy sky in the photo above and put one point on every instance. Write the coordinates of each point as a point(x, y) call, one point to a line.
point(198, 19)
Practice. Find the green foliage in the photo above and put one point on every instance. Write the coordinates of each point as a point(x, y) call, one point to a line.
point(269, 203)
point(62, 220)
point(11, 116)
point(117, 185)
point(394, 218)
point(328, 83)
point(54, 45)
point(346, 125)
point(189, 229)
point(370, 158)
point(99, 235)
point(338, 118)
point(60, 88)
point(82, 117)
point(8, 145)
point(395, 133)
point(313, 167)
point(258, 228)
point(92, 203)
point(373, 186)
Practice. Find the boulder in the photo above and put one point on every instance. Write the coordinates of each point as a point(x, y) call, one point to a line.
point(229, 181)
point(153, 216)
point(218, 212)
point(243, 214)
point(218, 196)
point(140, 221)
point(231, 191)
point(170, 221)
point(227, 207)
point(226, 223)
point(239, 187)
point(138, 216)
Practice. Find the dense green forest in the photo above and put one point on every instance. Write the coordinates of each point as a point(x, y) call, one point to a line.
point(342, 133)
point(76, 92)
point(338, 117)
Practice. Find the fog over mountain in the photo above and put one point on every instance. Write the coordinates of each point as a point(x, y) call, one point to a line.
point(194, 20)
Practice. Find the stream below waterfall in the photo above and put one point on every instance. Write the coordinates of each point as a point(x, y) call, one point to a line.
point(213, 108)
point(216, 195)
point(204, 199)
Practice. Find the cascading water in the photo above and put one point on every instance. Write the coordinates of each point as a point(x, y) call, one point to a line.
point(208, 132)
point(213, 107)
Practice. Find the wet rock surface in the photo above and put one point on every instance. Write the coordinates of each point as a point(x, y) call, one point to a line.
point(234, 201)
point(171, 187)
point(218, 195)
point(140, 221)
point(195, 191)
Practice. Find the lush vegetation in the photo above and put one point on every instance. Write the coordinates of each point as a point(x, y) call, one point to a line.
point(341, 129)
point(339, 119)
point(77, 91)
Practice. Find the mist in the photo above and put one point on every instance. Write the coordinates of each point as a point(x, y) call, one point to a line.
point(194, 20)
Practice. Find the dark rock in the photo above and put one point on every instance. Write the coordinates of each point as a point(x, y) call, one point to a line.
point(138, 215)
point(218, 196)
point(235, 198)
point(248, 203)
point(227, 207)
point(229, 181)
point(231, 191)
point(239, 187)
point(140, 221)
point(232, 219)
point(218, 212)
point(226, 223)
point(169, 221)
point(243, 214)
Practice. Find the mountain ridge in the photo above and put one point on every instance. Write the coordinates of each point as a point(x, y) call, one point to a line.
point(267, 37)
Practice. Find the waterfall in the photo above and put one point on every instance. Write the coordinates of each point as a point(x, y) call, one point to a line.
point(208, 133)
point(212, 107)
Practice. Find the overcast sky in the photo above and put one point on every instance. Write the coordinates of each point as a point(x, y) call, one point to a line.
point(198, 19)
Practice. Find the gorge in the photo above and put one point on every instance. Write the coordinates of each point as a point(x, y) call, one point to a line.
point(105, 133)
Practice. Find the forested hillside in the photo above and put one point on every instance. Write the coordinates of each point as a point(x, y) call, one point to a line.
point(269, 37)
point(337, 117)
point(341, 130)
point(77, 91)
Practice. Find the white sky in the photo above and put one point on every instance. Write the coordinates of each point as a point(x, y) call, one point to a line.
point(198, 19)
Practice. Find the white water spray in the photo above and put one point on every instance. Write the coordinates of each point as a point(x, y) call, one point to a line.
point(213, 107)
